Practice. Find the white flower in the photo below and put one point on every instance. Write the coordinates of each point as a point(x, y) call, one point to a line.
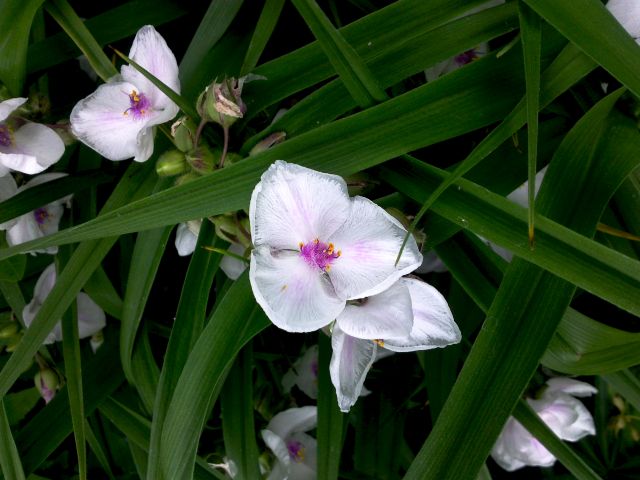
point(26, 147)
point(233, 267)
point(304, 373)
point(38, 223)
point(410, 315)
point(627, 12)
point(316, 248)
point(117, 119)
point(566, 416)
point(295, 451)
point(187, 237)
point(91, 318)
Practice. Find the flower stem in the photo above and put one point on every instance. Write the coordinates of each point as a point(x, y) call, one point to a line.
point(225, 129)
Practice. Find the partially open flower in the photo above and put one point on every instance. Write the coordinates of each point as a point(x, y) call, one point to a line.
point(117, 119)
point(561, 411)
point(25, 146)
point(91, 318)
point(410, 315)
point(295, 451)
point(38, 223)
point(316, 248)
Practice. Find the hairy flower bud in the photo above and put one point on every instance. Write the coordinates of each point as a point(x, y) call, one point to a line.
point(171, 163)
point(47, 382)
point(202, 159)
point(183, 132)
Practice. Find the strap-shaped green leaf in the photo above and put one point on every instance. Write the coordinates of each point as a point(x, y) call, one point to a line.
point(9, 457)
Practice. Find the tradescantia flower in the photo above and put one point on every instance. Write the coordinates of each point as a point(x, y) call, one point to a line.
point(295, 451)
point(565, 415)
point(117, 119)
point(316, 248)
point(410, 315)
point(91, 318)
point(304, 374)
point(38, 223)
point(25, 146)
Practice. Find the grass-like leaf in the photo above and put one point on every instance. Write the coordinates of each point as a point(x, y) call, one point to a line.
point(264, 28)
point(9, 457)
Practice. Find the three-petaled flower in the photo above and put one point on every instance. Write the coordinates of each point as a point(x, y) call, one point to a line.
point(117, 119)
point(316, 248)
point(25, 146)
point(565, 415)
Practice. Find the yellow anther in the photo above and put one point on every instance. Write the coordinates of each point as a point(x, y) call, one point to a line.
point(327, 268)
point(300, 454)
point(134, 96)
point(301, 245)
point(339, 253)
point(316, 241)
point(379, 342)
point(330, 249)
point(284, 287)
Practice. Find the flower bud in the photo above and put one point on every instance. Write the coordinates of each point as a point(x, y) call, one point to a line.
point(47, 382)
point(226, 228)
point(183, 132)
point(267, 143)
point(202, 159)
point(171, 163)
point(8, 330)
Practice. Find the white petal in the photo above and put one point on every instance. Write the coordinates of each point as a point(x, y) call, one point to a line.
point(351, 360)
point(627, 12)
point(100, 121)
point(293, 420)
point(565, 415)
point(386, 315)
point(521, 194)
point(150, 51)
point(144, 142)
point(295, 296)
point(40, 142)
point(570, 386)
point(431, 263)
point(91, 318)
point(43, 287)
point(306, 469)
point(433, 324)
point(276, 444)
point(185, 240)
point(8, 187)
point(23, 230)
point(304, 373)
point(369, 242)
point(293, 204)
point(505, 444)
point(232, 267)
point(8, 106)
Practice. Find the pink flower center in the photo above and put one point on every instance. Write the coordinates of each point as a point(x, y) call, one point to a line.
point(296, 451)
point(466, 57)
point(319, 254)
point(5, 135)
point(139, 105)
point(41, 215)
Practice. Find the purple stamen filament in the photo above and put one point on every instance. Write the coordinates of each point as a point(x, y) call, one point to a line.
point(41, 215)
point(5, 135)
point(139, 104)
point(319, 254)
point(296, 451)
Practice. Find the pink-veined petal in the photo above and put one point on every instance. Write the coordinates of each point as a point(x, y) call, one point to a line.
point(295, 296)
point(293, 204)
point(150, 51)
point(350, 362)
point(101, 121)
point(40, 142)
point(433, 324)
point(8, 106)
point(570, 386)
point(565, 415)
point(385, 315)
point(293, 420)
point(369, 242)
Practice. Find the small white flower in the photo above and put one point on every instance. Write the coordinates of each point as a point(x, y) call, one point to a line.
point(187, 237)
point(233, 267)
point(565, 415)
point(316, 248)
point(410, 315)
point(295, 451)
point(117, 119)
point(627, 12)
point(38, 223)
point(304, 373)
point(26, 147)
point(91, 318)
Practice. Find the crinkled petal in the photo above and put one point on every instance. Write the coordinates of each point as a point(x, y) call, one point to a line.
point(293, 420)
point(350, 362)
point(369, 242)
point(570, 386)
point(150, 51)
point(293, 204)
point(295, 296)
point(232, 267)
point(41, 143)
point(433, 324)
point(8, 106)
point(565, 415)
point(100, 121)
point(627, 12)
point(91, 318)
point(185, 240)
point(385, 315)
